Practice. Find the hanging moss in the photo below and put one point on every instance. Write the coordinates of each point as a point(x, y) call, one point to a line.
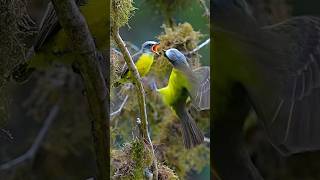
point(182, 37)
point(121, 11)
point(165, 173)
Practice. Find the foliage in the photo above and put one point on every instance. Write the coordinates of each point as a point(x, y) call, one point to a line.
point(129, 162)
point(121, 11)
point(166, 173)
point(182, 37)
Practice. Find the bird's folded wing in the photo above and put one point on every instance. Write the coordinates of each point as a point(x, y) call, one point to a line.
point(48, 25)
point(201, 98)
point(289, 105)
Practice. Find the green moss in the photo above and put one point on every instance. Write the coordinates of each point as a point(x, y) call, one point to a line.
point(172, 150)
point(130, 161)
point(121, 11)
point(165, 173)
point(182, 37)
point(137, 157)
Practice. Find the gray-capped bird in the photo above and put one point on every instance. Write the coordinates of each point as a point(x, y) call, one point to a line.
point(184, 83)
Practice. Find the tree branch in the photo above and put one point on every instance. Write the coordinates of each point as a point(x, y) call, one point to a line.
point(207, 140)
point(7, 133)
point(206, 42)
point(37, 142)
point(139, 89)
point(135, 77)
point(132, 46)
point(206, 9)
point(77, 30)
point(120, 108)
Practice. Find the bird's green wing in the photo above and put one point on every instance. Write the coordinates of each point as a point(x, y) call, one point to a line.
point(201, 98)
point(288, 99)
point(198, 85)
point(48, 25)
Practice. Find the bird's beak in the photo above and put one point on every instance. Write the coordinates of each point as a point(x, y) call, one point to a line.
point(155, 48)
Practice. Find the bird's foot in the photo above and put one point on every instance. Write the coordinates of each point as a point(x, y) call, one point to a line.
point(153, 85)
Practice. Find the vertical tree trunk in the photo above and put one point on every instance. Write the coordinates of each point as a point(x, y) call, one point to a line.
point(76, 28)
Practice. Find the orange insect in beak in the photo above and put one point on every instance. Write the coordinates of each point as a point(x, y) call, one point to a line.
point(155, 48)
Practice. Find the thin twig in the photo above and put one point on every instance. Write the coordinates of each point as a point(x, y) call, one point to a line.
point(132, 46)
point(139, 89)
point(116, 52)
point(206, 42)
point(28, 155)
point(207, 140)
point(120, 108)
point(7, 133)
point(206, 9)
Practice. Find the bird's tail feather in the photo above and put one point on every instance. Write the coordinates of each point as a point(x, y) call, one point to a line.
point(192, 135)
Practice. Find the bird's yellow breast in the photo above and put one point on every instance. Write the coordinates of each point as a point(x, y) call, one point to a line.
point(176, 88)
point(144, 64)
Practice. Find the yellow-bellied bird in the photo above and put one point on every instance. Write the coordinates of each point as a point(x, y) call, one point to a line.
point(184, 83)
point(142, 59)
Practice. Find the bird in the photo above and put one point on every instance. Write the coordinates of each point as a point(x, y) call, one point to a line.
point(183, 84)
point(273, 70)
point(143, 60)
point(52, 44)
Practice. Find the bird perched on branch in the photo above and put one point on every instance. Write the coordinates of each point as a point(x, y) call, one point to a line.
point(183, 84)
point(143, 60)
point(276, 71)
point(52, 44)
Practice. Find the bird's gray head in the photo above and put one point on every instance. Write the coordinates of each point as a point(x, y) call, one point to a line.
point(175, 57)
point(150, 47)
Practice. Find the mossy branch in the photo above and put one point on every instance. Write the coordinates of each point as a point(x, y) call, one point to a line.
point(139, 89)
point(77, 30)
